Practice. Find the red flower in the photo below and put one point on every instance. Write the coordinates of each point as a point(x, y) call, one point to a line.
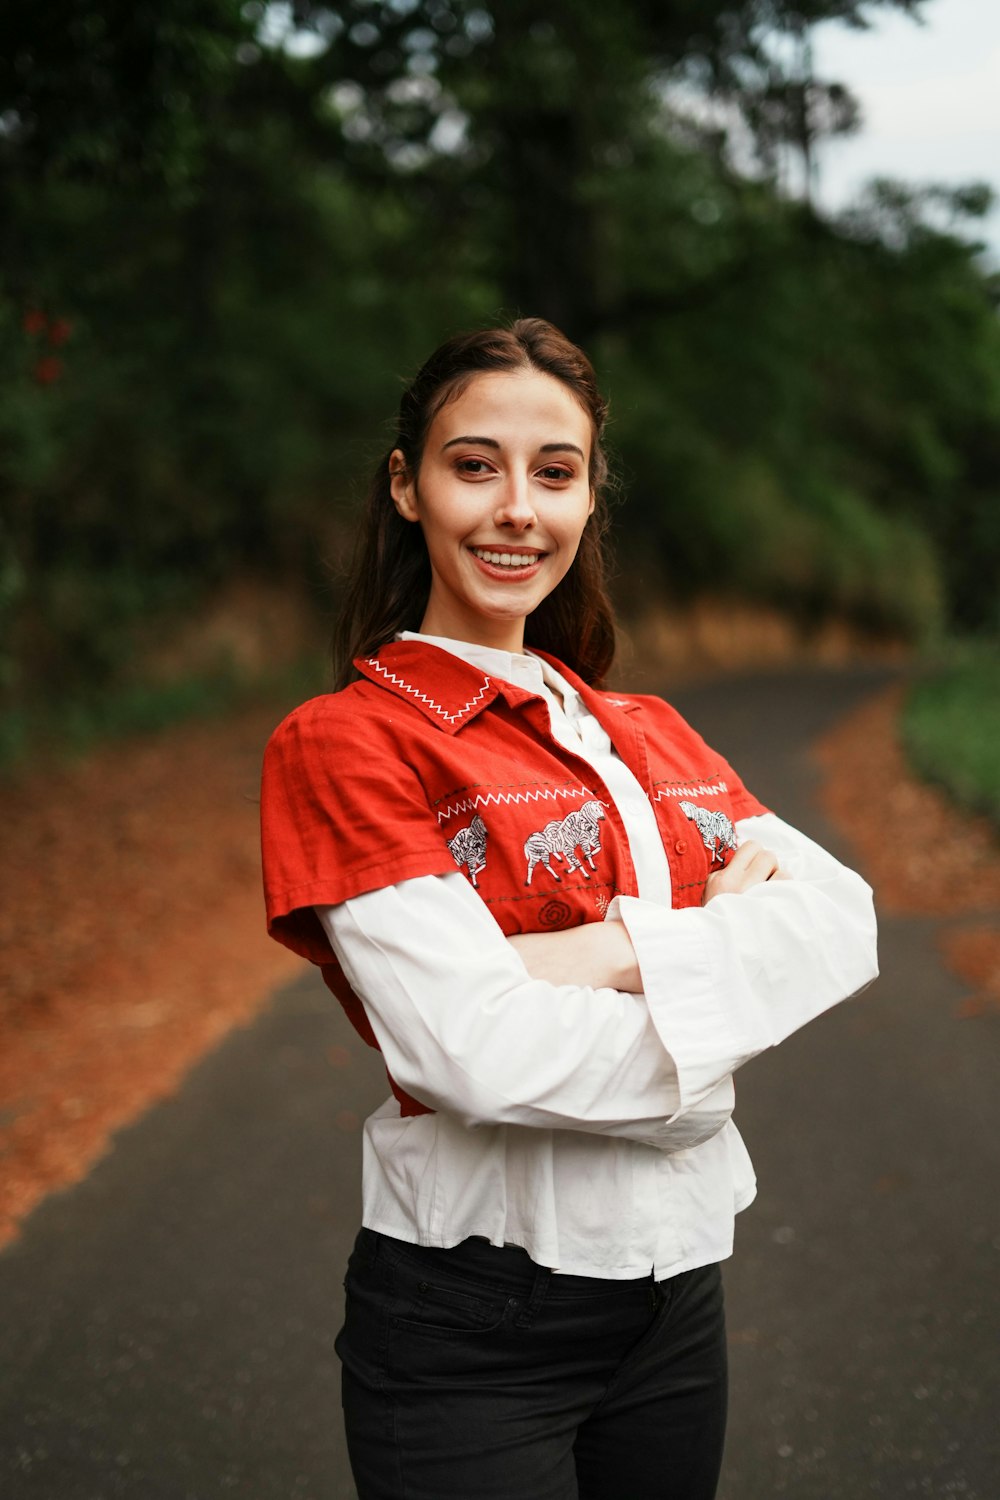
point(48, 369)
point(33, 321)
point(59, 331)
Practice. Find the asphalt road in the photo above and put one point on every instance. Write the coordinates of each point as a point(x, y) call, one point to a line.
point(166, 1327)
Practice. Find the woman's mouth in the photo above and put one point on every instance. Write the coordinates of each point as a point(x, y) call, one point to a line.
point(510, 561)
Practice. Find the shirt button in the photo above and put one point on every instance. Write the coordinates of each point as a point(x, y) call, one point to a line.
point(680, 846)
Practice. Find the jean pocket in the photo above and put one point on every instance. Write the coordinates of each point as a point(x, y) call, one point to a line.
point(441, 1310)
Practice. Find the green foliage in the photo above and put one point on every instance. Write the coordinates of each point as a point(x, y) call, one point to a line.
point(229, 230)
point(951, 725)
point(78, 721)
point(116, 91)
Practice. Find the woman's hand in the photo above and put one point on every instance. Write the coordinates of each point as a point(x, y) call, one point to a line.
point(751, 865)
point(598, 954)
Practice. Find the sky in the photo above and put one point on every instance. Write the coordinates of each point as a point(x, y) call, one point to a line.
point(930, 99)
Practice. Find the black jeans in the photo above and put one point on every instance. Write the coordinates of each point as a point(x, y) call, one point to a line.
point(473, 1374)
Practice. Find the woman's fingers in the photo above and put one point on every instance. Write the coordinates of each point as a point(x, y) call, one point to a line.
point(762, 867)
point(751, 865)
point(743, 855)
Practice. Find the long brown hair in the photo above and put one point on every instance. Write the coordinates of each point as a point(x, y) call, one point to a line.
point(390, 578)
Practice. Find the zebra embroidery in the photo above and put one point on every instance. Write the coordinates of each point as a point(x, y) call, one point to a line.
point(468, 847)
point(562, 837)
point(717, 832)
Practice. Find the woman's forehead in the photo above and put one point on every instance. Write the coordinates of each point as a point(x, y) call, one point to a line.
point(514, 403)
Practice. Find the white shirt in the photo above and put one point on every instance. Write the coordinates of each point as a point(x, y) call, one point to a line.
point(589, 1126)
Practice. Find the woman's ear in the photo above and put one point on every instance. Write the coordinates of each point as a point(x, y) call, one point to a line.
point(401, 486)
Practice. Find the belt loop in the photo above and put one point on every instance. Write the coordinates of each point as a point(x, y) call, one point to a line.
point(539, 1288)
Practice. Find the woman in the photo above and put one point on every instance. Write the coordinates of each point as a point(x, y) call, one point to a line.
point(565, 923)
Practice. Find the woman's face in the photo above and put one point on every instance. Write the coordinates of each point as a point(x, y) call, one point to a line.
point(502, 498)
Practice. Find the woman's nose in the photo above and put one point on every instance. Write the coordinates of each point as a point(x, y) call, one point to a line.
point(515, 506)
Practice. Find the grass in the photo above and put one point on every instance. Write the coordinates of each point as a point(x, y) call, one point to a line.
point(951, 725)
point(79, 724)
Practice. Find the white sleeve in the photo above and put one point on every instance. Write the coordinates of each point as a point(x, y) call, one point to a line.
point(725, 981)
point(465, 1029)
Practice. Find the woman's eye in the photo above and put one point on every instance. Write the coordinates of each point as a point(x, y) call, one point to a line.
point(473, 466)
point(553, 472)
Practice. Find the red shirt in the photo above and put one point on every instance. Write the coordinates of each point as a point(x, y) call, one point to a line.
point(427, 765)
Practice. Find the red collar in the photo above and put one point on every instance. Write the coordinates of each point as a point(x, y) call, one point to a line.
point(449, 692)
point(444, 687)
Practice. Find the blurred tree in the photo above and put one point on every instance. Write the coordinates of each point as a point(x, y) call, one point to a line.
point(115, 91)
point(227, 229)
point(532, 101)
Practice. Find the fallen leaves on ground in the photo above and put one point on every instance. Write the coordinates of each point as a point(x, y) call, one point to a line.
point(131, 923)
point(921, 853)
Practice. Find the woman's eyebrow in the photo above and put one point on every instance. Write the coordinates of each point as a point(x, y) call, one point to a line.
point(561, 448)
point(483, 442)
point(486, 442)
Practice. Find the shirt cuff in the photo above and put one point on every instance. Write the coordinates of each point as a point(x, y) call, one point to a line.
point(708, 1016)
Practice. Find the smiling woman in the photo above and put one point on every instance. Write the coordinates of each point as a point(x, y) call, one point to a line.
point(518, 412)
point(565, 922)
point(501, 514)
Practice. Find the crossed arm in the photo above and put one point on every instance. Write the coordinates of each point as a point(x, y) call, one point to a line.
point(601, 954)
point(471, 1023)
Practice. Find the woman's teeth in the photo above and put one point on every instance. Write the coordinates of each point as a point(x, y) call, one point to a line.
point(507, 559)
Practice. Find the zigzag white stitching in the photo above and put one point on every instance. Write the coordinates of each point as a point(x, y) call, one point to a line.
point(423, 698)
point(509, 798)
point(701, 790)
